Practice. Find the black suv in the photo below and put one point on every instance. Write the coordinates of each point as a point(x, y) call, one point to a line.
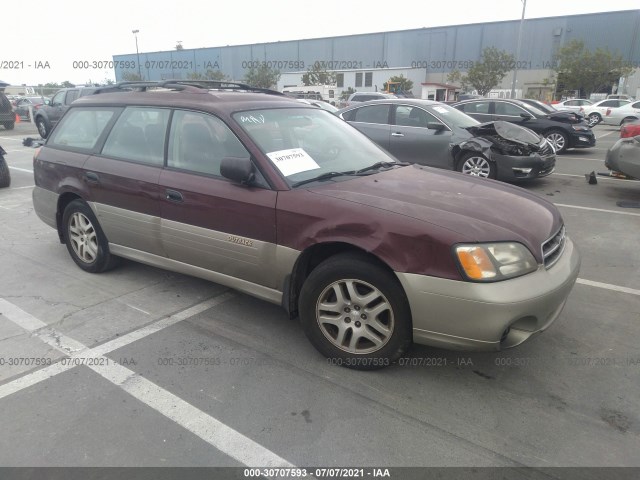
point(7, 115)
point(49, 114)
point(562, 129)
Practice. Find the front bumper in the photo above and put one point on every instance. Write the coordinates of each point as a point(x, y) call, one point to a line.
point(582, 140)
point(523, 168)
point(489, 316)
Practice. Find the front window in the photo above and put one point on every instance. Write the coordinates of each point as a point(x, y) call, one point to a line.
point(452, 116)
point(306, 143)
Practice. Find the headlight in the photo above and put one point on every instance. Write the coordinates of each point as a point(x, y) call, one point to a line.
point(493, 262)
point(580, 128)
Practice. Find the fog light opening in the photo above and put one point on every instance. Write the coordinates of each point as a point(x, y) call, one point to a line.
point(505, 334)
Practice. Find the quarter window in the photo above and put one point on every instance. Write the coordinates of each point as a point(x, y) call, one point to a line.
point(199, 142)
point(81, 127)
point(138, 135)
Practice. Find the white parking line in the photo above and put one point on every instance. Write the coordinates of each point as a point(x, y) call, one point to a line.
point(21, 169)
point(582, 159)
point(214, 432)
point(604, 135)
point(12, 139)
point(608, 286)
point(600, 177)
point(597, 209)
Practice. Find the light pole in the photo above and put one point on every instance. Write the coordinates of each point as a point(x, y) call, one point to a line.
point(135, 34)
point(515, 66)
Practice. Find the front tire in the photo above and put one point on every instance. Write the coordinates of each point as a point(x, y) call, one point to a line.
point(43, 129)
point(476, 165)
point(5, 175)
point(355, 313)
point(558, 139)
point(9, 125)
point(85, 239)
point(594, 119)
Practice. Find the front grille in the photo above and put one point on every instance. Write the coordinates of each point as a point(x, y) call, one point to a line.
point(552, 249)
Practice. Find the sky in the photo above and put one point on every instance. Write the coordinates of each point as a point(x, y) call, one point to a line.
point(48, 38)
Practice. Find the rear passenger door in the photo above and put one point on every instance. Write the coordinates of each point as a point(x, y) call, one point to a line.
point(123, 179)
point(373, 121)
point(208, 221)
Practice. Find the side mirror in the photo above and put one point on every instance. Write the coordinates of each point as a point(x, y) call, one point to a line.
point(237, 169)
point(435, 126)
point(526, 116)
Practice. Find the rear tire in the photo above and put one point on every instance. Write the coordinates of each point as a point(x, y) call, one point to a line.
point(5, 175)
point(85, 239)
point(9, 125)
point(594, 119)
point(355, 313)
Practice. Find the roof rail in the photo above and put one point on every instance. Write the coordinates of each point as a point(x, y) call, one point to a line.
point(186, 85)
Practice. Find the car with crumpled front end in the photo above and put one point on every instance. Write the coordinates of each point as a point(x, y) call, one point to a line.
point(290, 204)
point(564, 130)
point(434, 134)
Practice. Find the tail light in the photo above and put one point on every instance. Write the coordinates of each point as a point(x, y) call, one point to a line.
point(630, 130)
point(608, 112)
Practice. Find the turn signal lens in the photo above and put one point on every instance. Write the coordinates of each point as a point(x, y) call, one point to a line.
point(492, 262)
point(476, 263)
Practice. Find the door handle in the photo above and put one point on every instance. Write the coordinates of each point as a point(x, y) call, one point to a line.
point(174, 196)
point(397, 134)
point(92, 177)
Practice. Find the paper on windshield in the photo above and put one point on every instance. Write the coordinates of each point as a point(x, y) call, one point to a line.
point(292, 161)
point(441, 109)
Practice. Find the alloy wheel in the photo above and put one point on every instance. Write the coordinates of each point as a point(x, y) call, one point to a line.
point(477, 167)
point(84, 240)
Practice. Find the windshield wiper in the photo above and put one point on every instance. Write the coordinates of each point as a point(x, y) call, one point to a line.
point(324, 176)
point(379, 165)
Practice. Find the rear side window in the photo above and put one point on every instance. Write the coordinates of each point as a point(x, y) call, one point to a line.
point(479, 107)
point(372, 114)
point(81, 128)
point(139, 135)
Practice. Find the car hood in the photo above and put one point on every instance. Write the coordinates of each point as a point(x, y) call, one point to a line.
point(508, 131)
point(565, 117)
point(479, 210)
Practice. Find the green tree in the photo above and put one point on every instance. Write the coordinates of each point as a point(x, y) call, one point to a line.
point(586, 70)
point(489, 71)
point(262, 76)
point(132, 77)
point(345, 94)
point(208, 75)
point(317, 75)
point(406, 85)
point(454, 77)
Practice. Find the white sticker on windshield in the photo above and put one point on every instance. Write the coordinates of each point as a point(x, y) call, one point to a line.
point(292, 161)
point(441, 109)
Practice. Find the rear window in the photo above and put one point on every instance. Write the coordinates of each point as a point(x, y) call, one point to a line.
point(81, 128)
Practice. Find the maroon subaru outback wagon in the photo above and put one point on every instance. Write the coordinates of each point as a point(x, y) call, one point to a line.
point(286, 202)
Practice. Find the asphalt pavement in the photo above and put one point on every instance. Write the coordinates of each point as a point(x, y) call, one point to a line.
point(143, 367)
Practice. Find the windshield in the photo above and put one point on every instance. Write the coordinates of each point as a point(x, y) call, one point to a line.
point(304, 143)
point(452, 116)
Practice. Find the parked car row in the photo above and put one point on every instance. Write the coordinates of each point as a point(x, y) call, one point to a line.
point(624, 155)
point(434, 134)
